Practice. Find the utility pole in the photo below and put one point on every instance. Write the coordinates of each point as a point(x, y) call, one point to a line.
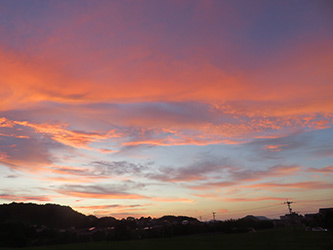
point(292, 216)
point(289, 207)
point(214, 215)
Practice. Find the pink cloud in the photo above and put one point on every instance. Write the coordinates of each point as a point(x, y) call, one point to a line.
point(207, 195)
point(3, 156)
point(109, 206)
point(23, 198)
point(165, 199)
point(116, 210)
point(325, 170)
point(222, 210)
point(115, 196)
point(275, 148)
point(244, 199)
point(78, 179)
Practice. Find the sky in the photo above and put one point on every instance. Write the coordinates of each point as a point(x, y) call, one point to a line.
point(167, 107)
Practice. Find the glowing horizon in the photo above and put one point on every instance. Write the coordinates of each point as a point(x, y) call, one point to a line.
point(148, 108)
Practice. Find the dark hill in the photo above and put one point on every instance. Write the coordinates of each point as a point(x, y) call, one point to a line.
point(50, 215)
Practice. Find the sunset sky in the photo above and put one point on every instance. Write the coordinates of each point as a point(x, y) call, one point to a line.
point(163, 107)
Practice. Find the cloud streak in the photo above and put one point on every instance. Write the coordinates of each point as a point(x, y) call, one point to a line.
point(314, 185)
point(23, 198)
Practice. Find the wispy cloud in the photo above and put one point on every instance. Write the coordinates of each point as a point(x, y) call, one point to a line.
point(122, 191)
point(237, 176)
point(104, 168)
point(115, 210)
point(196, 171)
point(325, 170)
point(275, 171)
point(110, 206)
point(295, 185)
point(174, 200)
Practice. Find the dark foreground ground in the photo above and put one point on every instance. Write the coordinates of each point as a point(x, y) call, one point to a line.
point(285, 239)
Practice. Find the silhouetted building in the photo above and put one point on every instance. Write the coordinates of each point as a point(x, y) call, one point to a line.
point(325, 210)
point(293, 219)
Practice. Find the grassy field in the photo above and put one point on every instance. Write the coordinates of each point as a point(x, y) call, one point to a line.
point(272, 239)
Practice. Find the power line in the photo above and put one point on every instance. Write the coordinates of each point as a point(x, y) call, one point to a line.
point(239, 211)
point(257, 208)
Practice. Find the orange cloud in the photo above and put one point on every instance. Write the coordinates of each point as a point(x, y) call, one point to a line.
point(5, 123)
point(67, 137)
point(208, 132)
point(59, 133)
point(180, 140)
point(28, 87)
point(62, 87)
point(15, 136)
point(106, 151)
point(200, 82)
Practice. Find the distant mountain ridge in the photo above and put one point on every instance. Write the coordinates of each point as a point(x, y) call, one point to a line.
point(256, 217)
